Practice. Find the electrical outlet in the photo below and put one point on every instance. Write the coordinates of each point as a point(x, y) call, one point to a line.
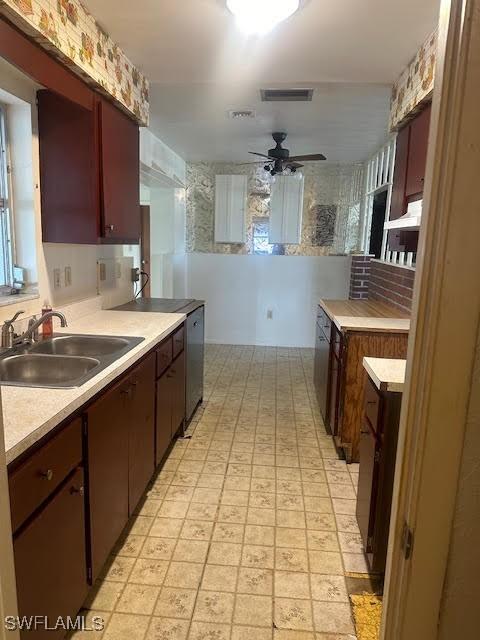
point(68, 276)
point(56, 279)
point(102, 270)
point(269, 314)
point(135, 274)
point(118, 270)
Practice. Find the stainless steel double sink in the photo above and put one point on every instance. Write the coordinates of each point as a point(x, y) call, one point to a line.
point(62, 361)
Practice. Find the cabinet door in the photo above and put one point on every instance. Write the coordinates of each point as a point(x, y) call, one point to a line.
point(286, 210)
point(195, 360)
point(322, 355)
point(120, 188)
point(230, 208)
point(367, 485)
point(177, 371)
point(398, 206)
point(141, 430)
point(50, 561)
point(417, 154)
point(66, 134)
point(108, 422)
point(164, 415)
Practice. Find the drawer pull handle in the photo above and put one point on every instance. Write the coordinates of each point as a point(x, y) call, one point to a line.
point(134, 383)
point(80, 491)
point(371, 402)
point(47, 475)
point(126, 392)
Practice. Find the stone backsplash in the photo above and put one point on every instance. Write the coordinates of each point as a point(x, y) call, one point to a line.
point(330, 215)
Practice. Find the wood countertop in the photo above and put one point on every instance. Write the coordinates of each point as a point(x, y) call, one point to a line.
point(366, 315)
point(387, 374)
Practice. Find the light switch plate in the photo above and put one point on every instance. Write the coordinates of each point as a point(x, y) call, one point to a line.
point(102, 269)
point(68, 276)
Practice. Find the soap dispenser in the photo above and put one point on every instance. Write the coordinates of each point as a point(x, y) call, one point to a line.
point(47, 326)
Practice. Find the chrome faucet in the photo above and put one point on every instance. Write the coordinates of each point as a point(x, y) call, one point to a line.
point(8, 332)
point(28, 335)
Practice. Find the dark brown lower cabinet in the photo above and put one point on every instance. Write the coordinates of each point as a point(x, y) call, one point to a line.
point(170, 405)
point(378, 450)
point(50, 562)
point(108, 437)
point(141, 430)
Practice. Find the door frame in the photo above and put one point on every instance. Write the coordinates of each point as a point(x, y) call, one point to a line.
point(145, 247)
point(443, 338)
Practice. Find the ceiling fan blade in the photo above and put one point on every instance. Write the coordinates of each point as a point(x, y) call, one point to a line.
point(307, 158)
point(244, 164)
point(262, 155)
point(295, 165)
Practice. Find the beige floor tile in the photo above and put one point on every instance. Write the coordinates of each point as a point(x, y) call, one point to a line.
point(173, 509)
point(149, 507)
point(322, 540)
point(320, 521)
point(214, 606)
point(262, 485)
point(264, 472)
point(249, 608)
point(199, 511)
point(179, 493)
point(290, 559)
point(328, 588)
point(250, 633)
point(289, 537)
point(347, 523)
point(176, 603)
point(191, 551)
point(118, 569)
point(328, 562)
point(184, 575)
point(130, 546)
point(257, 556)
point(211, 481)
point(293, 614)
point(355, 562)
point(163, 628)
point(332, 617)
point(126, 627)
point(262, 500)
point(231, 497)
point(344, 507)
point(255, 581)
point(237, 484)
point(319, 489)
point(104, 596)
point(219, 578)
point(138, 598)
point(149, 571)
point(158, 548)
point(196, 530)
point(206, 496)
point(225, 553)
point(318, 504)
point(259, 535)
point(166, 528)
point(232, 514)
point(227, 532)
point(289, 486)
point(185, 479)
point(95, 623)
point(290, 519)
point(342, 491)
point(350, 542)
point(292, 584)
point(207, 630)
point(288, 634)
point(265, 516)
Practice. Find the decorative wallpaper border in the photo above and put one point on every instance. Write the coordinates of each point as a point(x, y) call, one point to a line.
point(68, 30)
point(415, 84)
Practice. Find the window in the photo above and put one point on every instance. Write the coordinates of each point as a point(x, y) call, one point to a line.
point(6, 257)
point(261, 244)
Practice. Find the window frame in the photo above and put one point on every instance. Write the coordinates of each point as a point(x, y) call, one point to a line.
point(7, 258)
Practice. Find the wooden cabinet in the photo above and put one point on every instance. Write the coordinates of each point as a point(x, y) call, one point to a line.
point(89, 172)
point(177, 371)
point(108, 439)
point(230, 208)
point(50, 563)
point(398, 206)
point(378, 448)
point(417, 153)
point(119, 175)
point(141, 448)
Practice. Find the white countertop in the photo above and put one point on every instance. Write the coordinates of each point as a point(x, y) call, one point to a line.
point(386, 374)
point(30, 413)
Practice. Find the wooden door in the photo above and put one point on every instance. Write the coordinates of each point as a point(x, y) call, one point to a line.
point(163, 426)
point(145, 247)
point(177, 370)
point(50, 562)
point(141, 430)
point(120, 175)
point(417, 154)
point(67, 170)
point(108, 422)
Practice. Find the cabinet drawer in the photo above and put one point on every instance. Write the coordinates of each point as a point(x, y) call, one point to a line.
point(372, 404)
point(164, 356)
point(178, 338)
point(32, 482)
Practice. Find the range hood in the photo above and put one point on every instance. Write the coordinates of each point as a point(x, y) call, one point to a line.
point(411, 220)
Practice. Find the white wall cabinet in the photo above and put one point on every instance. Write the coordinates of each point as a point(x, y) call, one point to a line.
point(286, 210)
point(230, 208)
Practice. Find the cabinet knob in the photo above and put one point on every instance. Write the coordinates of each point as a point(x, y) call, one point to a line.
point(109, 227)
point(195, 324)
point(134, 383)
point(126, 392)
point(80, 491)
point(47, 475)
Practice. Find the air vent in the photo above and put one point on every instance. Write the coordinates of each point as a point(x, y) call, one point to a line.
point(286, 95)
point(239, 114)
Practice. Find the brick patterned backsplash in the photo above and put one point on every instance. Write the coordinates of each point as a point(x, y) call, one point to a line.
point(392, 284)
point(360, 277)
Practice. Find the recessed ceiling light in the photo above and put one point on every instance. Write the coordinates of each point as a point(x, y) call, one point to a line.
point(261, 16)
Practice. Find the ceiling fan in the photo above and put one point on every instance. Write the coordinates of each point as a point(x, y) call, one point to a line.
point(279, 158)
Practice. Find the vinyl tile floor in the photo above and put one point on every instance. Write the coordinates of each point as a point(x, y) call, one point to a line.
point(249, 529)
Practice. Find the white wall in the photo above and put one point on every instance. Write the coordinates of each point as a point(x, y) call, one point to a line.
point(240, 289)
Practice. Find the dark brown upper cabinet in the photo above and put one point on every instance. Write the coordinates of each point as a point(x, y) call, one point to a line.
point(89, 172)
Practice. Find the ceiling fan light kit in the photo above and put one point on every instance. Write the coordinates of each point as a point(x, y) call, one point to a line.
point(278, 161)
point(261, 16)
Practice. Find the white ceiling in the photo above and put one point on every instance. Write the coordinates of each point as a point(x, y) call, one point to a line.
point(200, 66)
